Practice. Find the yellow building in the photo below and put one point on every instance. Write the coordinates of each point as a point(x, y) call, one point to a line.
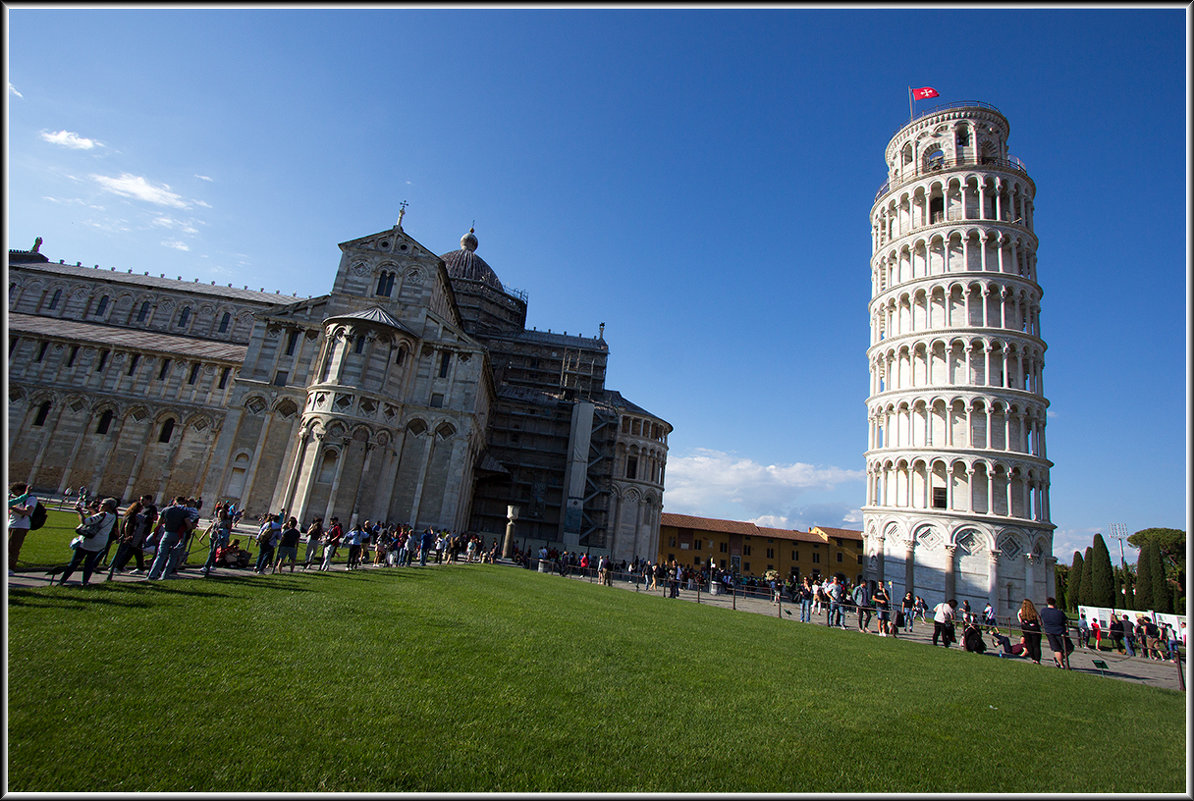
point(752, 550)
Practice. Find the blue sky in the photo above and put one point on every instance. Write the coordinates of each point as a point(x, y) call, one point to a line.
point(699, 180)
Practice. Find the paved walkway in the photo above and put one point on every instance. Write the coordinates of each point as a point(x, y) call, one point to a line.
point(1137, 669)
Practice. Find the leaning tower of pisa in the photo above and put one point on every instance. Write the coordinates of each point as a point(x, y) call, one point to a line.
point(957, 499)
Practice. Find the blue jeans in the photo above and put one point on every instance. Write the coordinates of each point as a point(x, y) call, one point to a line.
point(219, 537)
point(1128, 645)
point(806, 610)
point(264, 558)
point(835, 613)
point(165, 558)
point(89, 559)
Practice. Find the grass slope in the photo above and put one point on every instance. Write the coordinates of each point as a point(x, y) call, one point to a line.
point(489, 678)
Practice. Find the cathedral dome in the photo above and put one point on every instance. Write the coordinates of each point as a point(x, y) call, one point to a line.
point(465, 263)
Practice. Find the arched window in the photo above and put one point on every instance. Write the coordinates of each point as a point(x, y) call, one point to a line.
point(57, 297)
point(102, 307)
point(104, 422)
point(184, 317)
point(385, 284)
point(167, 430)
point(42, 412)
point(227, 318)
point(359, 346)
point(143, 313)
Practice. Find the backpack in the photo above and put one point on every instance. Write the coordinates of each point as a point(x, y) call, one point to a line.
point(37, 518)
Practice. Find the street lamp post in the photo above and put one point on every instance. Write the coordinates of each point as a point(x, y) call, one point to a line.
point(511, 516)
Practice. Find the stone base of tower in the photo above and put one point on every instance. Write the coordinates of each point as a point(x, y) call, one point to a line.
point(940, 556)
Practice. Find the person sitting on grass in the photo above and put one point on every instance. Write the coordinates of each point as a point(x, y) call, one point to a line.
point(1004, 644)
point(972, 638)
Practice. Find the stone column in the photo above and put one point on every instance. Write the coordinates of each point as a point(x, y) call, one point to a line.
point(950, 568)
point(356, 496)
point(910, 566)
point(312, 471)
point(993, 579)
point(343, 457)
point(1029, 575)
point(70, 461)
point(292, 480)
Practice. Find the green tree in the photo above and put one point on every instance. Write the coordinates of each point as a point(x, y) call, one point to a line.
point(1126, 579)
point(1172, 544)
point(1060, 585)
point(1084, 595)
point(1144, 583)
point(1102, 579)
point(1075, 586)
point(1162, 597)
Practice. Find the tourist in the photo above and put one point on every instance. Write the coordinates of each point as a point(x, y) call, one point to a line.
point(861, 595)
point(21, 503)
point(882, 603)
point(426, 543)
point(1030, 626)
point(1129, 629)
point(805, 592)
point(267, 541)
point(837, 595)
point(94, 531)
point(921, 609)
point(943, 622)
point(331, 541)
point(989, 616)
point(1055, 625)
point(1097, 630)
point(219, 533)
point(175, 522)
point(288, 544)
point(314, 537)
point(908, 607)
point(1084, 630)
point(130, 524)
point(353, 540)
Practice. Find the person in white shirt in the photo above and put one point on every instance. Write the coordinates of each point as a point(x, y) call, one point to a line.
point(943, 622)
point(21, 503)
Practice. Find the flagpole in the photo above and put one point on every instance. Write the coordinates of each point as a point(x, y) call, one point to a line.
point(910, 104)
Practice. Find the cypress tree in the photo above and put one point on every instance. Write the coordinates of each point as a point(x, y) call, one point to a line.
point(1084, 595)
point(1102, 580)
point(1075, 583)
point(1144, 582)
point(1060, 580)
point(1162, 598)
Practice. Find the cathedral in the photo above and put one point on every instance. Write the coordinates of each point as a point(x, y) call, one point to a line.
point(411, 393)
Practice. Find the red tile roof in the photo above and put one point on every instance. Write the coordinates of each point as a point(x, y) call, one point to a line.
point(816, 534)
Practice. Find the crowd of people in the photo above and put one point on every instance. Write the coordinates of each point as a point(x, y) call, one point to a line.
point(160, 541)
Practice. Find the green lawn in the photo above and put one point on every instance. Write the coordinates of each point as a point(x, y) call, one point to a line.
point(490, 678)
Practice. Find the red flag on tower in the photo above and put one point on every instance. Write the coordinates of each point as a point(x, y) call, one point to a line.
point(924, 92)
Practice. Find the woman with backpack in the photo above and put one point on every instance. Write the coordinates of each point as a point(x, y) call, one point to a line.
point(94, 531)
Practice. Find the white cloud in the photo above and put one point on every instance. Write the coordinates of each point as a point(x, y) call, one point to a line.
point(171, 243)
point(183, 226)
point(13, 90)
point(138, 188)
point(716, 484)
point(70, 139)
point(202, 177)
point(111, 226)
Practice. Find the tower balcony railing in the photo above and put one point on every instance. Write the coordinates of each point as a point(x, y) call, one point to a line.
point(946, 107)
point(1012, 164)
